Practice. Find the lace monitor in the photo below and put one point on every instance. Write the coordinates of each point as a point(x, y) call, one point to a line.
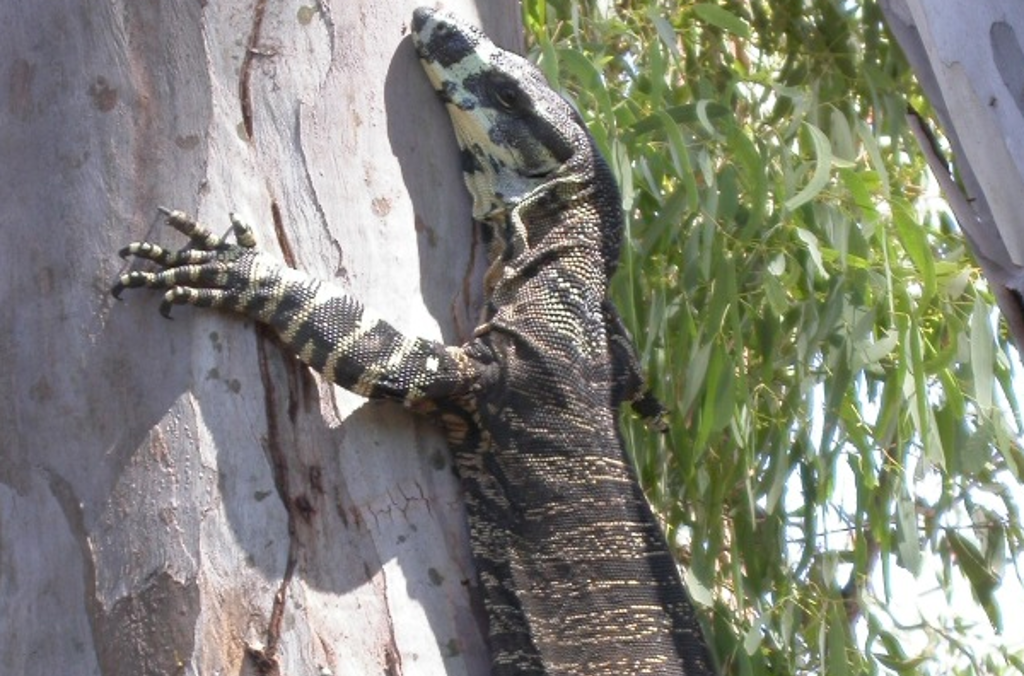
point(575, 572)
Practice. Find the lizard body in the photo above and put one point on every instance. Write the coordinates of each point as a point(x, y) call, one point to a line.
point(575, 572)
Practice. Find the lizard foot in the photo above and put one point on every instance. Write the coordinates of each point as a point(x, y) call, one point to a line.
point(209, 272)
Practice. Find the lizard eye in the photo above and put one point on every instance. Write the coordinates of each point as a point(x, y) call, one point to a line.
point(507, 97)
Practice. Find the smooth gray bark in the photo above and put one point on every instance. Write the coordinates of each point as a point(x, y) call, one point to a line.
point(968, 58)
point(175, 494)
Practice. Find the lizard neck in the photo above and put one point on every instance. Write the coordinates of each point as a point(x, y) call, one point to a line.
point(574, 220)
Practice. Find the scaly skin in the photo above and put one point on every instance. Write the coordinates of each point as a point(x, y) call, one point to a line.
point(575, 572)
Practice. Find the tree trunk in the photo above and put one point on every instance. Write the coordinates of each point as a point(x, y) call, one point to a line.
point(967, 57)
point(182, 497)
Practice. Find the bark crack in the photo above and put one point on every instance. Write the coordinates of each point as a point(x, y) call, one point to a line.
point(282, 236)
point(392, 657)
point(244, 90)
point(265, 656)
point(463, 332)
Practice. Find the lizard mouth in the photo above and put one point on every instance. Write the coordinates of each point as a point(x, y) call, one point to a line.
point(420, 16)
point(541, 172)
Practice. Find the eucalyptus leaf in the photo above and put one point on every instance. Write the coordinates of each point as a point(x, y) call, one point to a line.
point(771, 301)
point(822, 169)
point(717, 15)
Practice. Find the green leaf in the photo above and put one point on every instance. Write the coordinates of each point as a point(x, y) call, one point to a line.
point(908, 538)
point(548, 61)
point(669, 217)
point(722, 18)
point(535, 13)
point(699, 593)
point(754, 636)
point(902, 665)
point(684, 114)
point(811, 241)
point(658, 74)
point(665, 31)
point(622, 166)
point(1009, 449)
point(780, 471)
point(982, 359)
point(696, 369)
point(754, 177)
point(583, 71)
point(983, 579)
point(680, 159)
point(873, 351)
point(822, 169)
point(867, 137)
point(915, 243)
point(717, 406)
point(838, 640)
point(862, 188)
point(778, 299)
point(845, 152)
point(703, 116)
point(728, 197)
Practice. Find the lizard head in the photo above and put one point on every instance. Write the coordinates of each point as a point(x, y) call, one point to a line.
point(515, 132)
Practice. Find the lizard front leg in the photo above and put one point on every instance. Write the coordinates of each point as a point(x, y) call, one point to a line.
point(316, 320)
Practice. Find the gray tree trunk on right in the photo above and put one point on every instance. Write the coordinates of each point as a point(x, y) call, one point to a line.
point(969, 59)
